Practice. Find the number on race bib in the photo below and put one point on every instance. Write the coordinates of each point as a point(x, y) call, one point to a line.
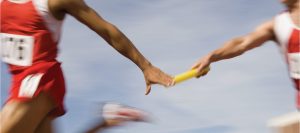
point(17, 49)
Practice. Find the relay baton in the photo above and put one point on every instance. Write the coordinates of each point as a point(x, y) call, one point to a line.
point(189, 74)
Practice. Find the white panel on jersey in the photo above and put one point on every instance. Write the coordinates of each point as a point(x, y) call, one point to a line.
point(18, 1)
point(283, 29)
point(17, 49)
point(290, 20)
point(29, 85)
point(294, 65)
point(52, 23)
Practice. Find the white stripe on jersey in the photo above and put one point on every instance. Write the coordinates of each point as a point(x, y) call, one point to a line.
point(283, 29)
point(52, 23)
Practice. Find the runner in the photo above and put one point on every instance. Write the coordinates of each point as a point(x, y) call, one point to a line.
point(30, 33)
point(284, 29)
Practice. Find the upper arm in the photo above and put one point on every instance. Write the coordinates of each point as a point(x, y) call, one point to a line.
point(260, 35)
point(86, 15)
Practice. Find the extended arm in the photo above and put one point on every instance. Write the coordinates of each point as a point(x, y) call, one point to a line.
point(238, 46)
point(113, 36)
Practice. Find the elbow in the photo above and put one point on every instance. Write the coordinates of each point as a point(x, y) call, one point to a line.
point(110, 33)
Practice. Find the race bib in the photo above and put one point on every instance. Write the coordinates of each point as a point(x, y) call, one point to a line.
point(17, 49)
point(294, 65)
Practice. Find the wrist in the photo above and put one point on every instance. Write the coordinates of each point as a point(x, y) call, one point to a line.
point(146, 66)
point(211, 57)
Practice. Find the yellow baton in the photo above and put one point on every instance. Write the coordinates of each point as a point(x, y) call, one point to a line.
point(189, 74)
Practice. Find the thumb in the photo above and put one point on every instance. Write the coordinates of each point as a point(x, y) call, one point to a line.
point(196, 65)
point(199, 70)
point(202, 71)
point(148, 89)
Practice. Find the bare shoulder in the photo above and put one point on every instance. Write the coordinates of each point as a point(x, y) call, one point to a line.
point(65, 5)
point(61, 7)
point(266, 29)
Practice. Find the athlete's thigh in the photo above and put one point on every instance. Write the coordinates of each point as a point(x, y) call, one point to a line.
point(45, 126)
point(24, 117)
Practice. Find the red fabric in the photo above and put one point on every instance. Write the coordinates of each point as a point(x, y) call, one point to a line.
point(294, 42)
point(294, 47)
point(52, 83)
point(297, 86)
point(23, 19)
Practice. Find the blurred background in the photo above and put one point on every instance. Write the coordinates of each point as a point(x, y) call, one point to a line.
point(237, 96)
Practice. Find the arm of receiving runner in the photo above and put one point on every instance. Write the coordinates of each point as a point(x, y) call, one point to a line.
point(115, 38)
point(238, 46)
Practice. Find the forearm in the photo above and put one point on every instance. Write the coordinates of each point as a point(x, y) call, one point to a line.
point(230, 49)
point(125, 47)
point(108, 32)
point(238, 46)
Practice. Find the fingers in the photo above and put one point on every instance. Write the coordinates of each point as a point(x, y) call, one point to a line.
point(198, 67)
point(202, 74)
point(195, 66)
point(162, 79)
point(166, 80)
point(156, 76)
point(202, 71)
point(206, 72)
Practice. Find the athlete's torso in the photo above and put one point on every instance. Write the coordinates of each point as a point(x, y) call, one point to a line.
point(288, 36)
point(29, 33)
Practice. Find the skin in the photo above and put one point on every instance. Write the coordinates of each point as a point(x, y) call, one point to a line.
point(239, 45)
point(32, 116)
point(26, 117)
point(112, 35)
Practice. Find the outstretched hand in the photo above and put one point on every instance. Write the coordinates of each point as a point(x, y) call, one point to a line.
point(201, 65)
point(154, 75)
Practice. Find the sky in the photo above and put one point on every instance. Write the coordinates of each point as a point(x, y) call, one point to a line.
point(237, 96)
